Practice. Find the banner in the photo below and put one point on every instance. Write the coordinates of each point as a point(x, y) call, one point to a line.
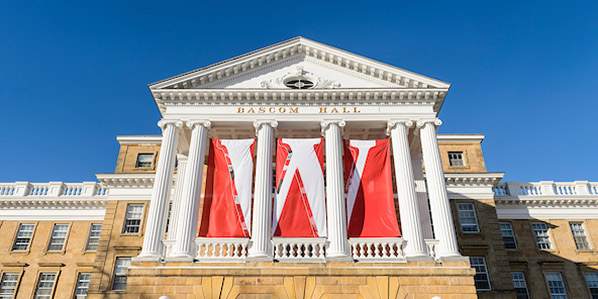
point(370, 202)
point(227, 201)
point(299, 209)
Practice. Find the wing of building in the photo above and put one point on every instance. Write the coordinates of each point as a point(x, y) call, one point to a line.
point(299, 171)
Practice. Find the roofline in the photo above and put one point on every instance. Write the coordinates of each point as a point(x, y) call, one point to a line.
point(139, 139)
point(460, 138)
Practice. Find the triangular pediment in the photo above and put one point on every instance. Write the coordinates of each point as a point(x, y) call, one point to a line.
point(299, 63)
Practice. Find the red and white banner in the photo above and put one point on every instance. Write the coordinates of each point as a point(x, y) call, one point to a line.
point(299, 209)
point(227, 201)
point(370, 201)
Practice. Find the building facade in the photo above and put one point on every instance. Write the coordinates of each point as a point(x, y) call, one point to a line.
point(160, 226)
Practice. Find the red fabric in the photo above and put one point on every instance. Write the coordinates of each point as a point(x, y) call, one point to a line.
point(296, 219)
point(373, 213)
point(221, 217)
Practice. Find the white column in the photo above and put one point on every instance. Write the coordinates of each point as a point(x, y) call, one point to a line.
point(184, 246)
point(154, 228)
point(408, 207)
point(261, 231)
point(176, 200)
point(439, 202)
point(421, 194)
point(338, 248)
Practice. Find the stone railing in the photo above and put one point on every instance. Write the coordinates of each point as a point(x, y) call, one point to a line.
point(302, 250)
point(431, 245)
point(221, 250)
point(52, 189)
point(546, 188)
point(378, 249)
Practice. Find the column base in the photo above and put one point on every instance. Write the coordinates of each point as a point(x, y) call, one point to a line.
point(452, 257)
point(339, 257)
point(147, 257)
point(419, 258)
point(180, 258)
point(263, 257)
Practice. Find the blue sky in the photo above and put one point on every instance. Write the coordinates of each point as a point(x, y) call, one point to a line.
point(73, 75)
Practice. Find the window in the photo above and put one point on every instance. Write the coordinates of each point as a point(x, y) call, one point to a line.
point(133, 218)
point(482, 282)
point(24, 235)
point(467, 217)
point(592, 280)
point(168, 218)
point(556, 286)
point(119, 282)
point(94, 237)
point(144, 160)
point(542, 237)
point(45, 285)
point(8, 285)
point(456, 159)
point(82, 285)
point(520, 285)
point(579, 235)
point(58, 237)
point(507, 235)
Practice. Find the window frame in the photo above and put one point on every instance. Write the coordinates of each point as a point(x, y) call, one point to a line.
point(66, 236)
point(14, 242)
point(89, 237)
point(500, 224)
point(77, 280)
point(17, 281)
point(137, 162)
point(585, 275)
point(114, 275)
point(462, 160)
point(38, 281)
point(522, 279)
point(485, 264)
point(475, 217)
point(585, 235)
point(550, 243)
point(566, 294)
point(125, 226)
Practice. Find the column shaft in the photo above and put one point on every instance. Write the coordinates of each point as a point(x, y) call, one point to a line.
point(338, 248)
point(184, 246)
point(178, 197)
point(441, 211)
point(422, 195)
point(154, 229)
point(261, 247)
point(408, 207)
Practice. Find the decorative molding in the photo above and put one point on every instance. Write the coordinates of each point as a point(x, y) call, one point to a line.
point(391, 124)
point(422, 122)
point(202, 122)
point(319, 83)
point(117, 180)
point(139, 139)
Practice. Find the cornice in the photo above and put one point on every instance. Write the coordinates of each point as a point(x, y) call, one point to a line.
point(487, 179)
point(548, 201)
point(139, 139)
point(127, 180)
point(460, 138)
point(53, 203)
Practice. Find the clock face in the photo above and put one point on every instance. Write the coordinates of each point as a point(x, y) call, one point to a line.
point(299, 84)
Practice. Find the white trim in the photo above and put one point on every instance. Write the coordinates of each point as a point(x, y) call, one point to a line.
point(460, 138)
point(139, 139)
point(56, 214)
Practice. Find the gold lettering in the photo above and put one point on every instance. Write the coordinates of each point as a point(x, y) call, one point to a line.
point(333, 110)
point(282, 110)
point(294, 110)
point(322, 109)
point(345, 110)
point(272, 110)
point(240, 110)
point(355, 110)
point(261, 110)
point(250, 110)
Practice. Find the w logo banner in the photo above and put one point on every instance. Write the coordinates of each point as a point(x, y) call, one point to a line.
point(299, 209)
point(370, 202)
point(227, 202)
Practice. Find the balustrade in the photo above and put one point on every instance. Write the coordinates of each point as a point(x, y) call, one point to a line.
point(378, 249)
point(221, 250)
point(546, 188)
point(302, 250)
point(52, 189)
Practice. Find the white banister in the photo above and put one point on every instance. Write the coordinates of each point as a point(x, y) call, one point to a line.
point(546, 188)
point(52, 189)
point(380, 250)
point(221, 250)
point(304, 250)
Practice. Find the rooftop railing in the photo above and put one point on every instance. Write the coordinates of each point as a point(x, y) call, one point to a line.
point(546, 188)
point(52, 189)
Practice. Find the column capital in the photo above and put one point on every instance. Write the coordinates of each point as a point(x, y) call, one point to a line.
point(257, 124)
point(181, 158)
point(325, 124)
point(422, 122)
point(202, 122)
point(391, 124)
point(163, 123)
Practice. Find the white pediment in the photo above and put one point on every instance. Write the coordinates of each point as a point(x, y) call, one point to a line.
point(297, 62)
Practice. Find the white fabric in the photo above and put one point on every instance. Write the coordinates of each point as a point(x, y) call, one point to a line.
point(239, 152)
point(304, 159)
point(363, 147)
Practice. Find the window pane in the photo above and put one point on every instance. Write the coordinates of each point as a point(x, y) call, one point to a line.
point(144, 160)
point(119, 281)
point(24, 235)
point(133, 218)
point(520, 285)
point(508, 235)
point(58, 237)
point(482, 281)
point(542, 237)
point(592, 280)
point(556, 285)
point(8, 285)
point(467, 217)
point(579, 236)
point(45, 285)
point(94, 237)
point(82, 285)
